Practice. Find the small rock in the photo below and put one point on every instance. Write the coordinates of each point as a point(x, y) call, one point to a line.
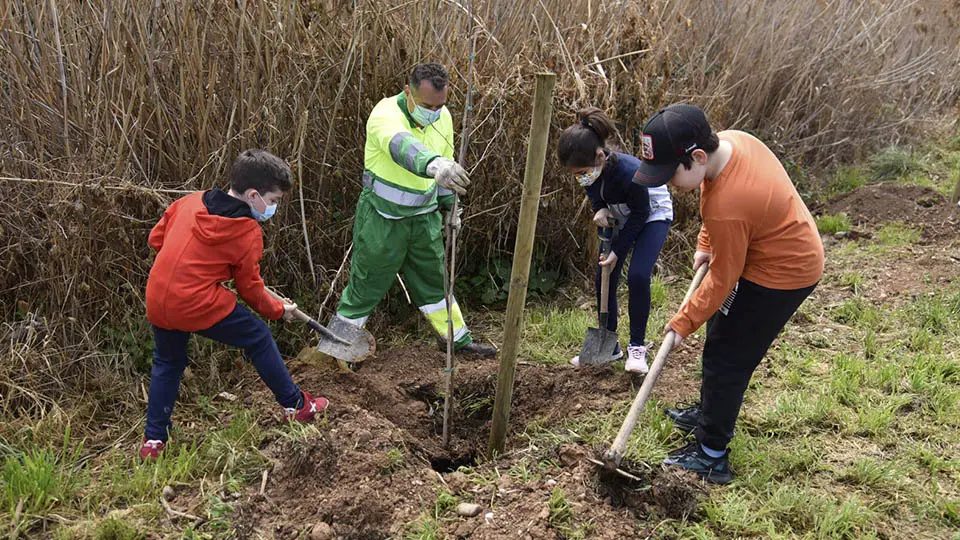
point(457, 481)
point(363, 436)
point(227, 396)
point(168, 493)
point(321, 531)
point(488, 517)
point(571, 454)
point(429, 475)
point(469, 509)
point(551, 482)
point(421, 408)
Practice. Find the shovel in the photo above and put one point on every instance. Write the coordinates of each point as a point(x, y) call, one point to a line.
point(613, 456)
point(600, 343)
point(347, 343)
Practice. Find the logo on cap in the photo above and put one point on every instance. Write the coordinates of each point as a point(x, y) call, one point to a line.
point(647, 151)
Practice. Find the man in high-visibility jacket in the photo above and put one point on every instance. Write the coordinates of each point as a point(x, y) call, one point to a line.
point(409, 177)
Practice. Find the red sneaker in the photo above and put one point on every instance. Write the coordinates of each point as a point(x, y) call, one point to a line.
point(311, 407)
point(150, 449)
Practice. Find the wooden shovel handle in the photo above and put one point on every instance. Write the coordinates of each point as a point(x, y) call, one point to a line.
point(616, 451)
point(605, 290)
point(605, 271)
point(299, 315)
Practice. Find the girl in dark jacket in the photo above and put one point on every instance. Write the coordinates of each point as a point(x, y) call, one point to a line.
point(641, 218)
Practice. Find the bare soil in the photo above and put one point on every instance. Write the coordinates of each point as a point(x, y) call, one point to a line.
point(349, 477)
point(921, 207)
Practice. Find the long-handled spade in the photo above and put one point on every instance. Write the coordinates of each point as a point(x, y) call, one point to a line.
point(600, 343)
point(613, 456)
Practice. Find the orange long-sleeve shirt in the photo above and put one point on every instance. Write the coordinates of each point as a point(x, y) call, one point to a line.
point(756, 226)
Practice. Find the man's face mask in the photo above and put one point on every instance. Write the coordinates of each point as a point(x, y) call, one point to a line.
point(425, 116)
point(420, 114)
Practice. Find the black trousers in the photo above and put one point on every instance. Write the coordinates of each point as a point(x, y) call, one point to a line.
point(738, 337)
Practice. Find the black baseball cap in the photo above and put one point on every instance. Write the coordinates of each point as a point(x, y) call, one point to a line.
point(668, 135)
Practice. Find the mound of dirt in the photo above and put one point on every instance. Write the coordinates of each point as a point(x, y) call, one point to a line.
point(876, 204)
point(378, 460)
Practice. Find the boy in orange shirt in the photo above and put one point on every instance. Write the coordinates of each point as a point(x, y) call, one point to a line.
point(203, 240)
point(765, 258)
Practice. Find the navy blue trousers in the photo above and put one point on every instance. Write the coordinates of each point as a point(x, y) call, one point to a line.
point(239, 329)
point(645, 252)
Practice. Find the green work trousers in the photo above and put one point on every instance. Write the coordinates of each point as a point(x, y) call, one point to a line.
point(383, 247)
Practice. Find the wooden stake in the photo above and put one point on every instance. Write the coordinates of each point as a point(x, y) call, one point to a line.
point(522, 253)
point(956, 189)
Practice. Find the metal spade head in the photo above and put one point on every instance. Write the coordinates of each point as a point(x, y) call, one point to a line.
point(598, 347)
point(360, 343)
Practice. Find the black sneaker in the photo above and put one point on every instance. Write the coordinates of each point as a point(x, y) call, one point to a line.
point(479, 349)
point(685, 418)
point(692, 458)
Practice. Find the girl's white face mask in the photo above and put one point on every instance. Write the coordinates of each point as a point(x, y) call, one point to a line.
point(586, 179)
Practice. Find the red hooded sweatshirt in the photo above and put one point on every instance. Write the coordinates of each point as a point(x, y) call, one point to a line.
point(202, 241)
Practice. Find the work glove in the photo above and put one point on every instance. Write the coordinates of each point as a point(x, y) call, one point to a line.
point(452, 220)
point(449, 174)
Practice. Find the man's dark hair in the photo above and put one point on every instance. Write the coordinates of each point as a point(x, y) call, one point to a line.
point(429, 71)
point(260, 170)
point(709, 145)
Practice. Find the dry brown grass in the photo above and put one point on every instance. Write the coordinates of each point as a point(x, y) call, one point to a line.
point(113, 106)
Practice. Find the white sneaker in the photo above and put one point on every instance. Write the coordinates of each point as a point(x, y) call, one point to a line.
point(617, 354)
point(637, 359)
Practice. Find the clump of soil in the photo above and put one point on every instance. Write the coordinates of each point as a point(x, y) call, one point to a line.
point(378, 461)
point(877, 204)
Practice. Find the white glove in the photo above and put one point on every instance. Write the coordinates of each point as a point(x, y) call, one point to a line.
point(453, 220)
point(449, 174)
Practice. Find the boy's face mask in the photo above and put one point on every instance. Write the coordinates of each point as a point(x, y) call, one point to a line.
point(268, 212)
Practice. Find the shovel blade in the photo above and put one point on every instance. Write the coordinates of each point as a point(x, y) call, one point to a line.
point(360, 343)
point(598, 347)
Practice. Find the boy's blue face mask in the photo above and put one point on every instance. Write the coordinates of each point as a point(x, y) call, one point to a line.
point(268, 212)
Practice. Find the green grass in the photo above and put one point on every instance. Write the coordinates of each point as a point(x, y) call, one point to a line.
point(38, 481)
point(845, 180)
point(833, 223)
point(893, 163)
point(117, 529)
point(897, 233)
point(429, 524)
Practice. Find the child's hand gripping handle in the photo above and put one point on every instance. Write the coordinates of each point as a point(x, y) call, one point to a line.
point(303, 317)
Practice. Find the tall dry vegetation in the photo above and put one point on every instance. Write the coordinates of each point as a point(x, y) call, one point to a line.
point(111, 108)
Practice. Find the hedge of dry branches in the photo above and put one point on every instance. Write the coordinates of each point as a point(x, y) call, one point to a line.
point(111, 108)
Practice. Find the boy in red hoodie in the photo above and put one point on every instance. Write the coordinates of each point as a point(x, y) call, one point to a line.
point(202, 241)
